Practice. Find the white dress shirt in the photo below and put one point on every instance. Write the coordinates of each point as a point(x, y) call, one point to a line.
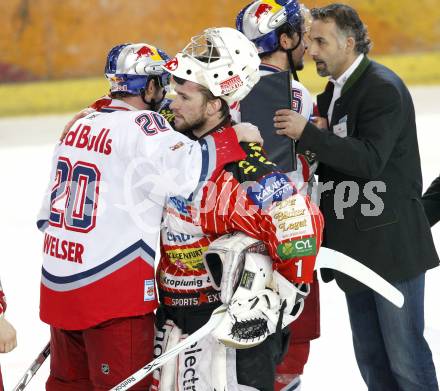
point(339, 84)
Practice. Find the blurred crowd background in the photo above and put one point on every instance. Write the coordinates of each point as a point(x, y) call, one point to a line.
point(56, 49)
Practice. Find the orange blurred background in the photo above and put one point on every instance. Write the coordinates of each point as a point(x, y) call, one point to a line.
point(49, 39)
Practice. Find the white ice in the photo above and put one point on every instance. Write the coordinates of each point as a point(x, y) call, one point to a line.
point(25, 156)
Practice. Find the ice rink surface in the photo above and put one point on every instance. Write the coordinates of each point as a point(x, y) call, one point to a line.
point(26, 145)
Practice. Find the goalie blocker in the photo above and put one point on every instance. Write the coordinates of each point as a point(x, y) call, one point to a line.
point(260, 301)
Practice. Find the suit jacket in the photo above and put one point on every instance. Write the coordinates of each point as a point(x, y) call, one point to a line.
point(373, 210)
point(431, 202)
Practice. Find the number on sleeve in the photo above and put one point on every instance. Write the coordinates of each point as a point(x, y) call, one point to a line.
point(297, 103)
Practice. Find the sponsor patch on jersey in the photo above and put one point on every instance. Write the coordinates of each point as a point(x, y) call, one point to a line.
point(187, 258)
point(149, 294)
point(291, 218)
point(179, 204)
point(297, 248)
point(178, 238)
point(199, 298)
point(272, 188)
point(171, 282)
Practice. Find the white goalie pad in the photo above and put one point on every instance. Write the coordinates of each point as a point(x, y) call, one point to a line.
point(224, 261)
point(164, 339)
point(204, 365)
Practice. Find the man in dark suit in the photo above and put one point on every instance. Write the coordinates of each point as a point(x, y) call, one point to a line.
point(369, 165)
point(431, 202)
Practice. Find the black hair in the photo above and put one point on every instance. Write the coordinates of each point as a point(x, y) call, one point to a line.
point(348, 21)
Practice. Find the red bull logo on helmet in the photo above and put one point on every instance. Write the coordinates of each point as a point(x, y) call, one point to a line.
point(262, 9)
point(144, 51)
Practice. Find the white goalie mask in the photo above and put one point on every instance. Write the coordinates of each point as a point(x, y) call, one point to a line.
point(221, 59)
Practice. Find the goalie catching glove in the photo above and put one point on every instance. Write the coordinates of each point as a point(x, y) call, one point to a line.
point(263, 302)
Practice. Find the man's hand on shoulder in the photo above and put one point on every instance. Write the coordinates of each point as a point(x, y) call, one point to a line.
point(248, 133)
point(77, 116)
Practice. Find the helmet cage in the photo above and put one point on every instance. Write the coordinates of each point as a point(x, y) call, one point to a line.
point(202, 49)
point(222, 60)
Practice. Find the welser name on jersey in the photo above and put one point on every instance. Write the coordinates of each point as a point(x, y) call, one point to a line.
point(81, 138)
point(63, 249)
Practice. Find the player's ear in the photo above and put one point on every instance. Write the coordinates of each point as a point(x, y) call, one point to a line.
point(151, 86)
point(350, 44)
point(285, 41)
point(213, 106)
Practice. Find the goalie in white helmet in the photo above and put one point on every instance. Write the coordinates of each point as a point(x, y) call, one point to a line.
point(215, 69)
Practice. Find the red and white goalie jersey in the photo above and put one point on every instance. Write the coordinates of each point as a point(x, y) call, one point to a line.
point(111, 176)
point(249, 196)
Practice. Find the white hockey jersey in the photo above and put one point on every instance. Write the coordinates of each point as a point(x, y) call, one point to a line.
point(101, 217)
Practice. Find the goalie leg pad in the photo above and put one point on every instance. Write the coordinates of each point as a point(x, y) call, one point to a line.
point(205, 365)
point(224, 261)
point(165, 338)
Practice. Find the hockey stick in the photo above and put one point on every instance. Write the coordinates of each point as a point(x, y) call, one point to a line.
point(331, 259)
point(326, 258)
point(213, 321)
point(35, 366)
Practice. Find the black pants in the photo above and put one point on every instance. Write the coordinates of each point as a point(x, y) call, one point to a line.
point(255, 366)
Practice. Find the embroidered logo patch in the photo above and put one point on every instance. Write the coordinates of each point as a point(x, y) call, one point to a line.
point(271, 188)
point(247, 279)
point(105, 369)
point(149, 294)
point(297, 248)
